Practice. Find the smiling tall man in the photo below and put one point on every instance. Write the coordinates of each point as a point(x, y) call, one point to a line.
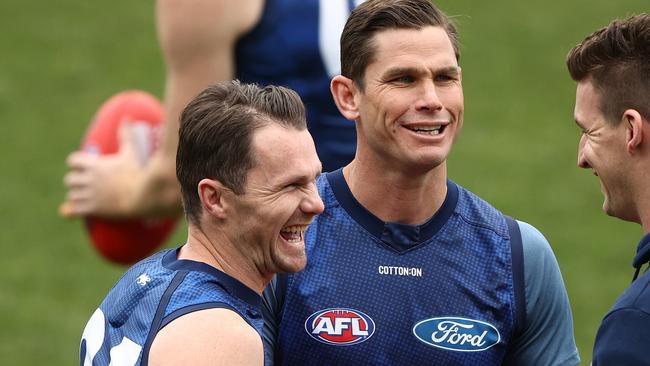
point(612, 68)
point(247, 168)
point(406, 267)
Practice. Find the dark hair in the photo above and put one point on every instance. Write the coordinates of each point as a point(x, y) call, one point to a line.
point(216, 130)
point(617, 61)
point(357, 45)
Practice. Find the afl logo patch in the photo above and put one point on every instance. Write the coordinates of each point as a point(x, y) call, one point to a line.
point(340, 326)
point(457, 334)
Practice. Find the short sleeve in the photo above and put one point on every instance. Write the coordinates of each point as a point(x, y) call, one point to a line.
point(547, 338)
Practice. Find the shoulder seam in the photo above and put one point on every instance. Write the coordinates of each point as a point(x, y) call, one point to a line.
point(633, 303)
point(624, 309)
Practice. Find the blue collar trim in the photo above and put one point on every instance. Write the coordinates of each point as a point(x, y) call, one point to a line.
point(400, 237)
point(232, 285)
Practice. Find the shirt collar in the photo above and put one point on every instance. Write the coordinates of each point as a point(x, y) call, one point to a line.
point(642, 252)
point(400, 237)
point(231, 284)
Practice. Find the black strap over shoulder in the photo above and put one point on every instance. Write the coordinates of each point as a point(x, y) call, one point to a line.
point(517, 249)
point(280, 290)
point(272, 310)
point(160, 313)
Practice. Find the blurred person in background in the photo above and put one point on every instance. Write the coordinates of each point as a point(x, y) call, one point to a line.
point(279, 42)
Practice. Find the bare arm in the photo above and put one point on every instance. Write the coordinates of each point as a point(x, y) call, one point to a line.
point(207, 337)
point(197, 38)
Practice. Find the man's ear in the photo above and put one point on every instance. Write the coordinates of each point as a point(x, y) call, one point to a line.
point(636, 127)
point(211, 193)
point(344, 92)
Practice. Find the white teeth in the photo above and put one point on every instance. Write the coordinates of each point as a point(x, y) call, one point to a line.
point(427, 130)
point(297, 239)
point(294, 233)
point(295, 229)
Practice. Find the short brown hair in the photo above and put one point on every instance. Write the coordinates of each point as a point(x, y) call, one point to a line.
point(216, 130)
point(616, 59)
point(357, 46)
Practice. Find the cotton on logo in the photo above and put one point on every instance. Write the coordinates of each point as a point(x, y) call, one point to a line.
point(340, 327)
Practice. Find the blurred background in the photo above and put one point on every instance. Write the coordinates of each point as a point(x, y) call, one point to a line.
point(60, 60)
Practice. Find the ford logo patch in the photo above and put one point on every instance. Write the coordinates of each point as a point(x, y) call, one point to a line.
point(340, 327)
point(457, 334)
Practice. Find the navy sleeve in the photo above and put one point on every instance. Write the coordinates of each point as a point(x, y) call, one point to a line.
point(623, 339)
point(547, 338)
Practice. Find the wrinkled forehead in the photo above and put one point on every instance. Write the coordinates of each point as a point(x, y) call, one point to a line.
point(405, 35)
point(398, 48)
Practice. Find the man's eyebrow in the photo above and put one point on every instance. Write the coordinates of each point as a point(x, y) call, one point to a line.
point(298, 178)
point(398, 71)
point(454, 70)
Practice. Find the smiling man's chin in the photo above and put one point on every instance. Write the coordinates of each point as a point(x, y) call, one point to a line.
point(293, 264)
point(289, 255)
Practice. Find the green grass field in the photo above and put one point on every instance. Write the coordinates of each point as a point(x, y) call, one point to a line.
point(60, 60)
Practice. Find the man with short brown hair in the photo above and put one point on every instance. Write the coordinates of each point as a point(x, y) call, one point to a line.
point(406, 266)
point(247, 167)
point(612, 70)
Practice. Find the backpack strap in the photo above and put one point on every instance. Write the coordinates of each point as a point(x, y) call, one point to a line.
point(516, 247)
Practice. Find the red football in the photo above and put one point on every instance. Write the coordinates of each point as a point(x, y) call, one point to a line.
point(126, 241)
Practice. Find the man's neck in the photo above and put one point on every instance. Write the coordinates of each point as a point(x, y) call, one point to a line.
point(218, 251)
point(398, 196)
point(640, 182)
point(643, 208)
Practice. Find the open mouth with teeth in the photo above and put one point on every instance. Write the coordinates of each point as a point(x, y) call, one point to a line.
point(427, 130)
point(294, 233)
